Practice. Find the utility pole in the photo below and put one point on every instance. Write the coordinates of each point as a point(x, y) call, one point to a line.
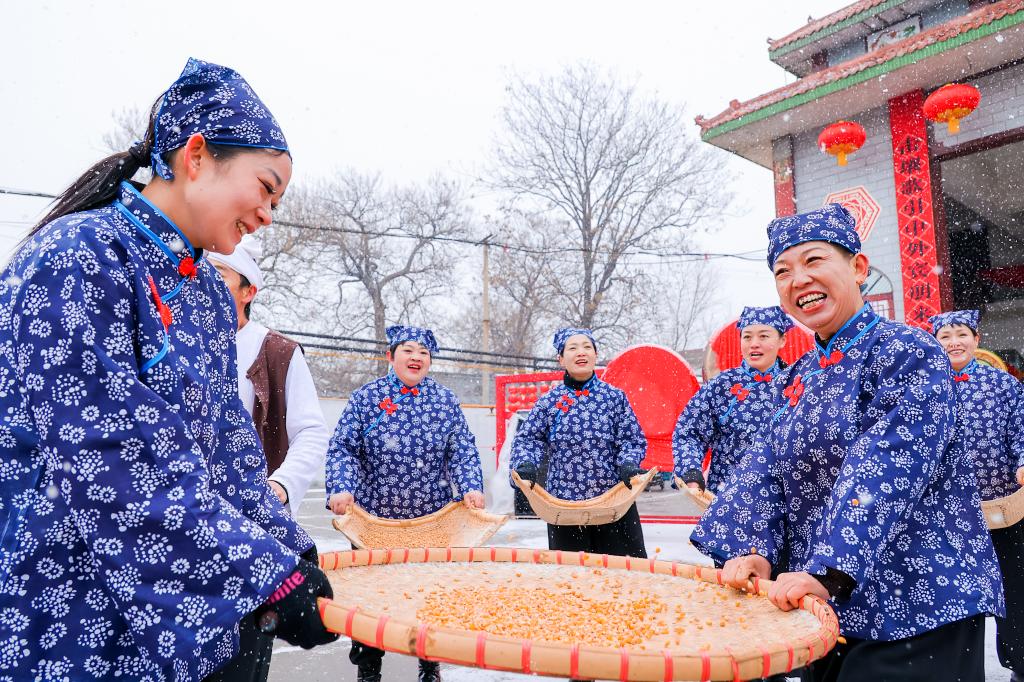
point(485, 375)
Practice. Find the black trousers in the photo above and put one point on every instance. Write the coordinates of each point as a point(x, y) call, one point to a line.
point(954, 652)
point(1009, 544)
point(363, 654)
point(624, 537)
point(252, 662)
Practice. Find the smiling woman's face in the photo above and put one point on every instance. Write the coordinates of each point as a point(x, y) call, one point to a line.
point(819, 285)
point(411, 362)
point(579, 357)
point(960, 343)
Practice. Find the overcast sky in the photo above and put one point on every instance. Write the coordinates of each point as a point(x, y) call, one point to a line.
point(404, 88)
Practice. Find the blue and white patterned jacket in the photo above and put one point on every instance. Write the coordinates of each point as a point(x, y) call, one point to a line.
point(860, 473)
point(727, 415)
point(586, 434)
point(138, 526)
point(399, 450)
point(991, 421)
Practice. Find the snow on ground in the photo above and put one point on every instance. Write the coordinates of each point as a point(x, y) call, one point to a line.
point(291, 664)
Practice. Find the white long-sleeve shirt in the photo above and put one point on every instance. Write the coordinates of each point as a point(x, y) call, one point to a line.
point(307, 434)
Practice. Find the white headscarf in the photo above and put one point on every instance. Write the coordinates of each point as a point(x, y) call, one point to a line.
point(243, 260)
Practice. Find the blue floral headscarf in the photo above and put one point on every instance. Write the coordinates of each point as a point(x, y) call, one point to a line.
point(965, 317)
point(832, 223)
point(399, 334)
point(772, 316)
point(217, 102)
point(562, 335)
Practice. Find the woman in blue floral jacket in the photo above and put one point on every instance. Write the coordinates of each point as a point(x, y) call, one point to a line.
point(858, 492)
point(991, 421)
point(588, 433)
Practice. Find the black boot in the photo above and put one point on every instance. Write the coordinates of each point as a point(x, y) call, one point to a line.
point(430, 671)
point(369, 671)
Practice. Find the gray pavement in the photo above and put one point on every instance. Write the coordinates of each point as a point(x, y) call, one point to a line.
point(293, 664)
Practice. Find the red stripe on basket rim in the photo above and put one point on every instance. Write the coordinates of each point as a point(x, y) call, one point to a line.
point(624, 664)
point(527, 646)
point(481, 649)
point(558, 557)
point(652, 565)
point(421, 640)
point(447, 553)
point(379, 638)
point(337, 560)
point(574, 661)
point(515, 554)
point(494, 553)
point(582, 556)
point(405, 556)
point(387, 557)
point(718, 576)
point(735, 666)
point(705, 667)
point(604, 560)
point(766, 663)
point(675, 568)
point(349, 617)
point(629, 567)
point(536, 556)
point(789, 660)
point(670, 666)
point(472, 553)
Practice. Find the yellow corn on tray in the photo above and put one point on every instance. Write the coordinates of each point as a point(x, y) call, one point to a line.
point(605, 508)
point(454, 525)
point(569, 614)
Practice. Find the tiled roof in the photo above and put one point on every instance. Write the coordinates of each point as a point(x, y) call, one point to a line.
point(826, 21)
point(951, 29)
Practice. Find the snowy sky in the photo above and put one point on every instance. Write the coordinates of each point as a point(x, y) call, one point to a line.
point(404, 88)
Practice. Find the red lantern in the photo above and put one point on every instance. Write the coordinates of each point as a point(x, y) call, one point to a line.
point(950, 103)
point(842, 138)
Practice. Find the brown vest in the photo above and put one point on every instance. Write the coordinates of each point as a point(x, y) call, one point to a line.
point(269, 408)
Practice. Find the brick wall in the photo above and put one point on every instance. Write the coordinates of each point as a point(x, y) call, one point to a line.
point(817, 175)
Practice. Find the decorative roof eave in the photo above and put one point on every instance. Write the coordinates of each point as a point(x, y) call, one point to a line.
point(1010, 14)
point(826, 26)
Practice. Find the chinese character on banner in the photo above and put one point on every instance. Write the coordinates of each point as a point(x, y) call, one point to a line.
point(859, 202)
point(914, 216)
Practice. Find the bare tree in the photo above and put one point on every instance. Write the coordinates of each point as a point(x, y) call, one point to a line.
point(353, 235)
point(617, 170)
point(129, 125)
point(688, 308)
point(520, 279)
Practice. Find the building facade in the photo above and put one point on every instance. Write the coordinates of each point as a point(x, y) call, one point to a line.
point(941, 214)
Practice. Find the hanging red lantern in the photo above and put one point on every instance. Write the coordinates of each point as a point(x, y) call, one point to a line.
point(950, 103)
point(842, 138)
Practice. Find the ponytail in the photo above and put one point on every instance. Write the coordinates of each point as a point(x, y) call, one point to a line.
point(99, 185)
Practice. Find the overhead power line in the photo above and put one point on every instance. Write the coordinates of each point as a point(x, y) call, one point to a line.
point(753, 255)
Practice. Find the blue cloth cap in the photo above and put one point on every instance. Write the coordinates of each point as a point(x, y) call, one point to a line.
point(399, 334)
point(832, 223)
point(217, 102)
point(965, 317)
point(772, 316)
point(562, 335)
